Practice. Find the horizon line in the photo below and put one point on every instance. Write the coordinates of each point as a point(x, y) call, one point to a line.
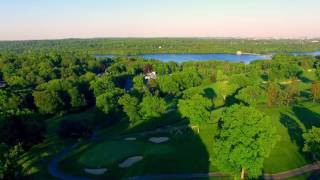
point(170, 37)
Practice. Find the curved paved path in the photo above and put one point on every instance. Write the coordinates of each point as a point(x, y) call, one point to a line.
point(56, 172)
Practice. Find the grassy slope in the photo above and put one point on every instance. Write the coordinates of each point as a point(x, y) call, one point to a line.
point(35, 161)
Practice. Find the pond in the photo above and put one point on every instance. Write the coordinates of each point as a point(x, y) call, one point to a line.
point(247, 58)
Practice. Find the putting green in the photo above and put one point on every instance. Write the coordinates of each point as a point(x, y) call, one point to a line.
point(107, 153)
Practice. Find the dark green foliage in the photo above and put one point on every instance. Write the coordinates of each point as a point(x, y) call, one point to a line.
point(152, 107)
point(312, 142)
point(140, 85)
point(101, 85)
point(244, 139)
point(27, 129)
point(168, 85)
point(74, 129)
point(187, 78)
point(10, 168)
point(131, 46)
point(318, 72)
point(107, 102)
point(196, 109)
point(130, 107)
point(48, 102)
point(252, 95)
point(77, 100)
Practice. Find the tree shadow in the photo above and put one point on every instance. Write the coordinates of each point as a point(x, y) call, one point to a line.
point(294, 130)
point(305, 94)
point(304, 79)
point(186, 149)
point(231, 100)
point(306, 116)
point(209, 93)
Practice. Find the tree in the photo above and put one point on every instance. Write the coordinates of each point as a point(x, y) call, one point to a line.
point(77, 98)
point(107, 102)
point(251, 95)
point(3, 99)
point(312, 142)
point(168, 85)
point(74, 129)
point(10, 168)
point(27, 129)
point(48, 102)
point(318, 72)
point(130, 107)
point(196, 109)
point(139, 84)
point(187, 78)
point(152, 107)
point(274, 94)
point(101, 85)
point(244, 138)
point(291, 91)
point(223, 90)
point(315, 90)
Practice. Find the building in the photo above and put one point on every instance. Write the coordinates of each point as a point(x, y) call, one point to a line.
point(239, 52)
point(150, 75)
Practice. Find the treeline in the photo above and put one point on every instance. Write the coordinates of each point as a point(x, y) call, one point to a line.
point(134, 46)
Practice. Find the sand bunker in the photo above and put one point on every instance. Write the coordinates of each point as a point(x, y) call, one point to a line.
point(158, 140)
point(130, 139)
point(130, 161)
point(96, 171)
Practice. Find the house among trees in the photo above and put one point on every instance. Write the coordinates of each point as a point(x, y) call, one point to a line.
point(149, 73)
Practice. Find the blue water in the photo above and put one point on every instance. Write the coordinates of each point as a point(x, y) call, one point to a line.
point(316, 53)
point(205, 57)
point(247, 58)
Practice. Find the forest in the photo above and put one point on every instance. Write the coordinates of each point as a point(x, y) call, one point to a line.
point(136, 46)
point(228, 117)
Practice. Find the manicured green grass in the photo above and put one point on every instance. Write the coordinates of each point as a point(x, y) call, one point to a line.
point(183, 153)
point(180, 153)
point(291, 122)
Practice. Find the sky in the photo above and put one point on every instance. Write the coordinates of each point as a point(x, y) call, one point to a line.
point(56, 19)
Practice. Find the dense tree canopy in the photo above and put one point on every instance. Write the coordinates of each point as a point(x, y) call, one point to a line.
point(152, 107)
point(252, 95)
point(196, 109)
point(243, 140)
point(130, 107)
point(312, 141)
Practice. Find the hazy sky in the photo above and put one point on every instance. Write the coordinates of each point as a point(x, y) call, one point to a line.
point(51, 19)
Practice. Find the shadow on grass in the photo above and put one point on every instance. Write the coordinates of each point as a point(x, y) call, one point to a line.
point(306, 116)
point(295, 132)
point(304, 79)
point(294, 129)
point(188, 153)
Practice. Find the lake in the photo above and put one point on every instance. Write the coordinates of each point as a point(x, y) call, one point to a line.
point(247, 58)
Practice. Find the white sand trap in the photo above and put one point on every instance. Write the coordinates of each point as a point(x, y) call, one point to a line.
point(158, 140)
point(130, 139)
point(96, 171)
point(130, 161)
